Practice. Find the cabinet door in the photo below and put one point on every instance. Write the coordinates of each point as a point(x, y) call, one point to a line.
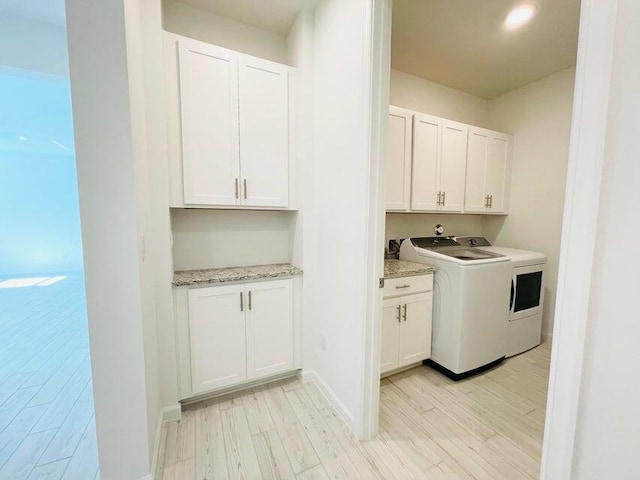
point(425, 174)
point(475, 199)
point(415, 328)
point(391, 315)
point(209, 113)
point(264, 132)
point(497, 176)
point(398, 167)
point(453, 163)
point(217, 336)
point(269, 327)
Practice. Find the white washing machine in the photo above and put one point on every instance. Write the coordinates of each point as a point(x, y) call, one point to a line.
point(470, 304)
point(524, 328)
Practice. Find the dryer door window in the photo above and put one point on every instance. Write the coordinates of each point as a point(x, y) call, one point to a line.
point(528, 288)
point(527, 291)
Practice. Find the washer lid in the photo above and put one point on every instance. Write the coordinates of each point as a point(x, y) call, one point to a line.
point(450, 248)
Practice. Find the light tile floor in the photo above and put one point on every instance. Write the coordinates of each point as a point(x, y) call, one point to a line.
point(488, 427)
point(47, 428)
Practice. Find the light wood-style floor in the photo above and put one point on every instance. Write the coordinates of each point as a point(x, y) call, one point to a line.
point(485, 428)
point(47, 428)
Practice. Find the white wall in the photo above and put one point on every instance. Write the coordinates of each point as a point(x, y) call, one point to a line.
point(608, 424)
point(336, 260)
point(208, 27)
point(33, 45)
point(415, 93)
point(108, 145)
point(224, 238)
point(539, 116)
point(405, 225)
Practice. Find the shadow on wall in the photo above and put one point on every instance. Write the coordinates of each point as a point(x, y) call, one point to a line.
point(39, 218)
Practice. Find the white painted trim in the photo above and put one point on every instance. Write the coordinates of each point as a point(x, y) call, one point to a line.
point(586, 155)
point(167, 414)
point(306, 376)
point(379, 19)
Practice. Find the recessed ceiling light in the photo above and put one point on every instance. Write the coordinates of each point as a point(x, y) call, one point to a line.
point(519, 16)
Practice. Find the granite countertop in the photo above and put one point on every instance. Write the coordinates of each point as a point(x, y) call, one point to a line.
point(402, 268)
point(211, 276)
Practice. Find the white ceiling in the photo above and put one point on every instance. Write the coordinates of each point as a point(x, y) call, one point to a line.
point(461, 43)
point(276, 16)
point(49, 11)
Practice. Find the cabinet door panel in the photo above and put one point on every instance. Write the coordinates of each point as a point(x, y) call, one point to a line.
point(217, 336)
point(497, 171)
point(390, 335)
point(269, 328)
point(425, 175)
point(415, 330)
point(475, 195)
point(453, 165)
point(264, 132)
point(209, 113)
point(398, 166)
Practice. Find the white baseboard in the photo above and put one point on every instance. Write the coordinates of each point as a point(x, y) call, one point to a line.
point(329, 394)
point(167, 414)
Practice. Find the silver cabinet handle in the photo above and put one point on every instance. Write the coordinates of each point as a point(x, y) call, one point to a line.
point(439, 194)
point(245, 188)
point(249, 299)
point(404, 315)
point(241, 303)
point(490, 201)
point(486, 201)
point(236, 188)
point(402, 286)
point(398, 317)
point(444, 198)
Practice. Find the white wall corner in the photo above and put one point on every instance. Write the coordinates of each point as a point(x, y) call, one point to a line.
point(307, 376)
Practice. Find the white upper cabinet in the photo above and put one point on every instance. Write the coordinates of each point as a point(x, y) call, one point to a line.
point(209, 111)
point(264, 132)
point(453, 163)
point(234, 124)
point(398, 166)
point(439, 160)
point(488, 171)
point(425, 175)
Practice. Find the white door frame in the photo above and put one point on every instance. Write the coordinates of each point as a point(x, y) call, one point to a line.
point(582, 198)
point(380, 62)
point(593, 72)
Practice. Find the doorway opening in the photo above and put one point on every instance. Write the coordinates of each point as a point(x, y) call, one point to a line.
point(47, 426)
point(459, 71)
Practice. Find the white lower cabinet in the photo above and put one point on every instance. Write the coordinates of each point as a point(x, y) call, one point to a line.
point(239, 333)
point(406, 330)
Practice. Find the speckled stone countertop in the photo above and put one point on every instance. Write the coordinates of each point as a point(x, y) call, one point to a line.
point(211, 276)
point(402, 268)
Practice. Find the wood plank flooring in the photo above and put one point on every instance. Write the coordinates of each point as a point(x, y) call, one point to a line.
point(47, 428)
point(488, 427)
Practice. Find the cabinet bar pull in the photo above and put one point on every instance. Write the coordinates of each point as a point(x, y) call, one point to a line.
point(404, 315)
point(237, 189)
point(444, 198)
point(439, 194)
point(241, 303)
point(490, 201)
point(249, 299)
point(486, 201)
point(402, 286)
point(245, 188)
point(398, 307)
